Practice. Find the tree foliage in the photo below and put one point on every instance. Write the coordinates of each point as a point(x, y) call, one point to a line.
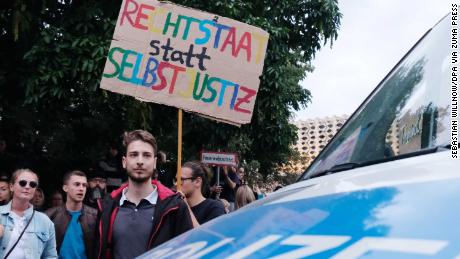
point(53, 54)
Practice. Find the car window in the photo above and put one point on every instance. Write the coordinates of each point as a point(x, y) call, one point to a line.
point(409, 111)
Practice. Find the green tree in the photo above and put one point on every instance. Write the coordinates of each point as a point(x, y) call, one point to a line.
point(53, 54)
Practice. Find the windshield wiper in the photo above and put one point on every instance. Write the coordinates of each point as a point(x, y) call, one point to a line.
point(337, 168)
point(348, 166)
point(445, 147)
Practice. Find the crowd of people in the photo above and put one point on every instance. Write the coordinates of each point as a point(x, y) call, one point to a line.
point(88, 220)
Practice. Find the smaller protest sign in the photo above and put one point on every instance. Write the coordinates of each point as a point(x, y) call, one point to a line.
point(219, 158)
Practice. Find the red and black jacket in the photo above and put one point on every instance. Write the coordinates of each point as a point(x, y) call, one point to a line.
point(171, 218)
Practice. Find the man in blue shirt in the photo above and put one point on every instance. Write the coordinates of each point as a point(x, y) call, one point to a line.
point(74, 222)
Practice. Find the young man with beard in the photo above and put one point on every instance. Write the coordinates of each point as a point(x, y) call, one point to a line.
point(74, 222)
point(194, 181)
point(141, 214)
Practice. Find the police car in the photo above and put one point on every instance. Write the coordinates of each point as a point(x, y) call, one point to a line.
point(386, 185)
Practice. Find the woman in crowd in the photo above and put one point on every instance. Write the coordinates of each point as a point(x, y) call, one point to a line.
point(244, 195)
point(39, 200)
point(24, 232)
point(226, 205)
point(5, 194)
point(57, 199)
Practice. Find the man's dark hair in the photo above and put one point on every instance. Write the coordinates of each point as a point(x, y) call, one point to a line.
point(199, 170)
point(161, 157)
point(69, 174)
point(4, 177)
point(141, 135)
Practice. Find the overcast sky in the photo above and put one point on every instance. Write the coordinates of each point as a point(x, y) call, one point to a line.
point(373, 37)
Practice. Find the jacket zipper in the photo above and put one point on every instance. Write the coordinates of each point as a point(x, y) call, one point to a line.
point(100, 229)
point(109, 239)
point(159, 224)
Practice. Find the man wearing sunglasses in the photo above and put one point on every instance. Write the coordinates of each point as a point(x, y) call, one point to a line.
point(143, 213)
point(74, 222)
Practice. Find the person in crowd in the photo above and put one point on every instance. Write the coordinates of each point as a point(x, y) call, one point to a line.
point(57, 199)
point(97, 190)
point(244, 196)
point(39, 200)
point(225, 188)
point(226, 205)
point(164, 175)
point(243, 181)
point(141, 214)
point(258, 192)
point(112, 166)
point(25, 232)
point(264, 190)
point(75, 223)
point(193, 185)
point(241, 176)
point(5, 193)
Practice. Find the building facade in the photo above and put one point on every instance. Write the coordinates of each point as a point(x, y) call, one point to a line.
point(314, 134)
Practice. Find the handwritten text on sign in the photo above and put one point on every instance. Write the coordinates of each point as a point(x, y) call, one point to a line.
point(186, 58)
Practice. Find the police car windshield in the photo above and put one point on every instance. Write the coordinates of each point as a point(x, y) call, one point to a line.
point(407, 113)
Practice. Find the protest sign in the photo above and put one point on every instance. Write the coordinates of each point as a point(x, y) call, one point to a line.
point(219, 158)
point(186, 58)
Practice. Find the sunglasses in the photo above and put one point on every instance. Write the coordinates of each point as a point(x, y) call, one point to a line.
point(32, 184)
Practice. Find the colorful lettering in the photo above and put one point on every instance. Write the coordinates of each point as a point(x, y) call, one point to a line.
point(261, 40)
point(187, 26)
point(225, 83)
point(219, 27)
point(203, 86)
point(127, 13)
point(245, 43)
point(163, 81)
point(114, 63)
point(169, 23)
point(150, 71)
point(230, 40)
point(189, 91)
point(142, 16)
point(246, 99)
point(168, 50)
point(211, 90)
point(206, 31)
point(150, 21)
point(125, 64)
point(161, 75)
